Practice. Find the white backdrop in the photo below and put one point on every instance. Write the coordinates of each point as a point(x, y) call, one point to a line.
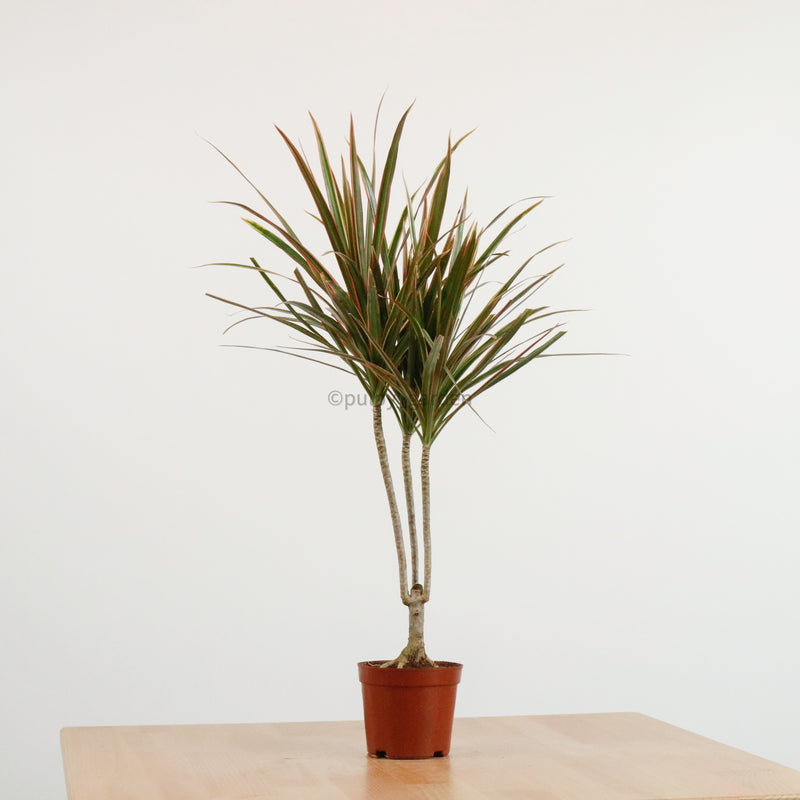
point(192, 533)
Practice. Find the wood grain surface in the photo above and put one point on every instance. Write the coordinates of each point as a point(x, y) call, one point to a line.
point(623, 756)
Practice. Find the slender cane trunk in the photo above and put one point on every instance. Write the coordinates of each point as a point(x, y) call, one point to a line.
point(425, 474)
point(380, 441)
point(413, 654)
point(412, 521)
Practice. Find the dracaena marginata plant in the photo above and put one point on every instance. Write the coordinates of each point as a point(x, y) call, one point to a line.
point(410, 308)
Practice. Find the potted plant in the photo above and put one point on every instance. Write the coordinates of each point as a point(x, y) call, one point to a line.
point(415, 310)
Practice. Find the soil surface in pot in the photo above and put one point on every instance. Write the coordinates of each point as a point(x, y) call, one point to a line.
point(414, 666)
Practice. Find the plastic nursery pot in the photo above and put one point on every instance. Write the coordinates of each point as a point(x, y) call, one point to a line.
point(408, 713)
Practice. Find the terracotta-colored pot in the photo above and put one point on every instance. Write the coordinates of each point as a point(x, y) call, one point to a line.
point(408, 713)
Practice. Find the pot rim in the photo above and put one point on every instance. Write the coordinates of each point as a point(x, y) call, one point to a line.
point(378, 664)
point(447, 673)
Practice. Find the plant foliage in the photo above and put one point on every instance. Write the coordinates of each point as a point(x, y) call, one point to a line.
point(410, 308)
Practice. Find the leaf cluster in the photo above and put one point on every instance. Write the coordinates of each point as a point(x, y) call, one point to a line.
point(409, 308)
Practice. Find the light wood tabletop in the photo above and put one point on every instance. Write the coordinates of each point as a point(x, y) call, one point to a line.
point(622, 756)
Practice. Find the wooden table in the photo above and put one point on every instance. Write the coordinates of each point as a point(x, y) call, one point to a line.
point(573, 757)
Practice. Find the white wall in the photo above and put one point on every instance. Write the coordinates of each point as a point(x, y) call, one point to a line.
point(191, 533)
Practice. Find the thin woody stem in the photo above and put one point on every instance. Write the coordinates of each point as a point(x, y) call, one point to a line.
point(426, 517)
point(397, 527)
point(412, 521)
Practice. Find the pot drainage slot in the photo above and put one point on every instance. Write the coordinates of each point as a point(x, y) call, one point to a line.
point(380, 754)
point(438, 754)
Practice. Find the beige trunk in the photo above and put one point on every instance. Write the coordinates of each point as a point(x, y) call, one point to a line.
point(413, 653)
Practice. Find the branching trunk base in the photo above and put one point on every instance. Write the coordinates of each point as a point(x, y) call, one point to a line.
point(413, 654)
